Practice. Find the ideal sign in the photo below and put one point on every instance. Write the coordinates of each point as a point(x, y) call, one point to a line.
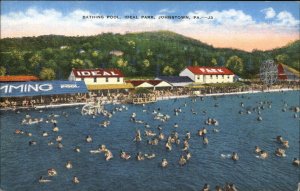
point(95, 73)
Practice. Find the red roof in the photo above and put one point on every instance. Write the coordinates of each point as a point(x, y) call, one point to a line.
point(92, 73)
point(136, 82)
point(200, 70)
point(18, 78)
point(154, 82)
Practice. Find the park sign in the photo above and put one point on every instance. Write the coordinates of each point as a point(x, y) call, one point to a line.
point(23, 89)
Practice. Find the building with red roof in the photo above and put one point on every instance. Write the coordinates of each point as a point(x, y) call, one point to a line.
point(203, 74)
point(18, 78)
point(97, 76)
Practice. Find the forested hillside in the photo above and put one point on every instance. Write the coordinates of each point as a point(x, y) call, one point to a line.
point(136, 54)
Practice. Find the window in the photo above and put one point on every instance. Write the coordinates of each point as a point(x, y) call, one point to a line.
point(118, 79)
point(198, 77)
point(223, 76)
point(210, 76)
point(106, 79)
point(82, 79)
point(228, 77)
point(95, 79)
point(217, 76)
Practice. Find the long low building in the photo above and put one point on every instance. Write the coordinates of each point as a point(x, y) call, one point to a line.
point(207, 75)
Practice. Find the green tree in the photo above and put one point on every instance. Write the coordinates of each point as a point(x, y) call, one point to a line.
point(47, 74)
point(282, 58)
point(168, 70)
point(2, 71)
point(77, 63)
point(213, 62)
point(146, 63)
point(149, 52)
point(35, 60)
point(121, 63)
point(235, 64)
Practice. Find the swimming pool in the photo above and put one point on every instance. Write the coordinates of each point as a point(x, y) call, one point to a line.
point(22, 165)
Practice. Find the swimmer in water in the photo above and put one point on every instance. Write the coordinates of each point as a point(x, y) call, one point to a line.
point(77, 149)
point(75, 180)
point(161, 136)
point(32, 143)
point(59, 138)
point(124, 155)
point(235, 156)
point(164, 163)
point(296, 162)
point(205, 140)
point(42, 180)
point(60, 145)
point(182, 160)
point(188, 135)
point(108, 154)
point(205, 187)
point(168, 146)
point(88, 139)
point(218, 188)
point(279, 139)
point(138, 137)
point(263, 154)
point(52, 172)
point(257, 149)
point(285, 144)
point(188, 155)
point(69, 165)
point(280, 152)
point(140, 156)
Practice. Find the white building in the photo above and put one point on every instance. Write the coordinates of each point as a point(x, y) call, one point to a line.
point(207, 75)
point(97, 76)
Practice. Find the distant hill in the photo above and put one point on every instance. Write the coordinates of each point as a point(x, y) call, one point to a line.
point(139, 54)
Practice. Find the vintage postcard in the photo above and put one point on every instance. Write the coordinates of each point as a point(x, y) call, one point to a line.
point(149, 95)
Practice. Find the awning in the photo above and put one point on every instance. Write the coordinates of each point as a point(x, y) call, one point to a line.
point(110, 86)
point(23, 89)
point(195, 85)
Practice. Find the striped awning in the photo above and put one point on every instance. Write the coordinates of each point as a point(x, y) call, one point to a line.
point(195, 85)
point(110, 86)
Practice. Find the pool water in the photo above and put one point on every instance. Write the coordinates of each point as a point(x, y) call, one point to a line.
point(22, 165)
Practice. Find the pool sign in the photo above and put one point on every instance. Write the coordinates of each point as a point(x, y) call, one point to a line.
point(41, 88)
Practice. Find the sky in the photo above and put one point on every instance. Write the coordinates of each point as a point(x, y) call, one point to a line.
point(232, 24)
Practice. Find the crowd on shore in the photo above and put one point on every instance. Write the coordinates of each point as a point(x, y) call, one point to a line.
point(127, 96)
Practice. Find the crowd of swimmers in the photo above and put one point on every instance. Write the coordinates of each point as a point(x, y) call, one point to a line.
point(154, 138)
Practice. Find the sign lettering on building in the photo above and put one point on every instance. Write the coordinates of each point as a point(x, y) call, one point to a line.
point(212, 70)
point(96, 73)
point(23, 88)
